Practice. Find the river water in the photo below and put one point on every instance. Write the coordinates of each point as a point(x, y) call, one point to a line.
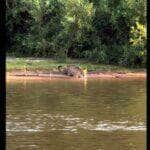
point(76, 115)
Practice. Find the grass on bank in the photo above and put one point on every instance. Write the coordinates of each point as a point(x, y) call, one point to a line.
point(42, 64)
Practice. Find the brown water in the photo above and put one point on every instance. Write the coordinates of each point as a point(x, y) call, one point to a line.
point(69, 115)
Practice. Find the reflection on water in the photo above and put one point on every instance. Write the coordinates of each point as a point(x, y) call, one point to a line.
point(76, 115)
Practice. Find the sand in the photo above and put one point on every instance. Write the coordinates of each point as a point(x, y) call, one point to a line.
point(55, 76)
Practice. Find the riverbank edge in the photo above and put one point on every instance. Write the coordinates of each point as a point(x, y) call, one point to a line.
point(56, 75)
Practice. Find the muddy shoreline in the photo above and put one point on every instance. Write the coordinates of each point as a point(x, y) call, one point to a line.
point(57, 75)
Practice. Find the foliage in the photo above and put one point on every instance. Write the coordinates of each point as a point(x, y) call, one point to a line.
point(111, 32)
point(138, 35)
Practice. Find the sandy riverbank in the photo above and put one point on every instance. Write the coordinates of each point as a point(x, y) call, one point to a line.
point(90, 75)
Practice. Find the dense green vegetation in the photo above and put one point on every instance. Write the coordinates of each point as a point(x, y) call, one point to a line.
point(104, 31)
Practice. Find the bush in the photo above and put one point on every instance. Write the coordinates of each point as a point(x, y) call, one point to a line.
point(97, 55)
point(133, 56)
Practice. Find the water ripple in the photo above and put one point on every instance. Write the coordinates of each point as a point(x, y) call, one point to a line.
point(69, 123)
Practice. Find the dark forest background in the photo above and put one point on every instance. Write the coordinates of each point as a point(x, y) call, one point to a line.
point(104, 31)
